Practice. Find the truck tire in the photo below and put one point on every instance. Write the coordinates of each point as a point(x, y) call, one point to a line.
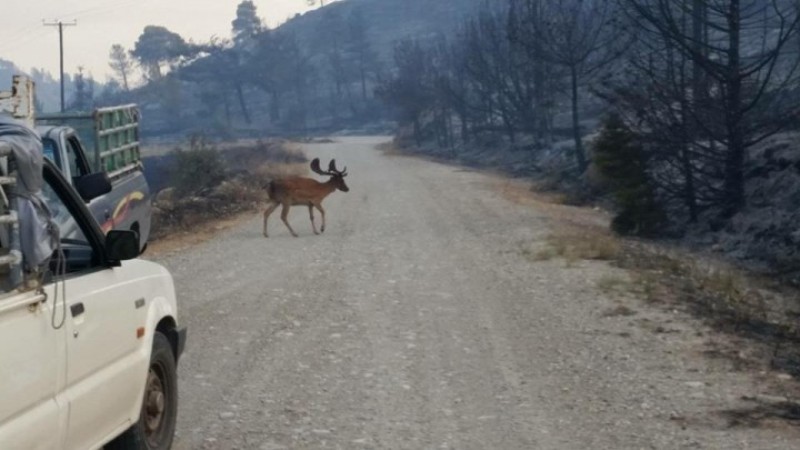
point(155, 428)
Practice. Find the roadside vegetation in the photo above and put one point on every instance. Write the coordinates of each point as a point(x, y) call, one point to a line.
point(732, 300)
point(204, 182)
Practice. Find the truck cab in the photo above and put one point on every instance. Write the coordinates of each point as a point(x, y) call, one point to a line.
point(127, 206)
point(112, 135)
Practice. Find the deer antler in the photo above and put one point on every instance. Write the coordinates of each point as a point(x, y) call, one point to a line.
point(315, 167)
point(332, 169)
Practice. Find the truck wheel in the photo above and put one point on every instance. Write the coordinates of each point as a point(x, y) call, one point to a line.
point(156, 426)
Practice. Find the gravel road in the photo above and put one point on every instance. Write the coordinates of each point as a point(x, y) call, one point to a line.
point(416, 322)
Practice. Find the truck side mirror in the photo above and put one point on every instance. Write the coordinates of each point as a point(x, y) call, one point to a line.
point(92, 185)
point(122, 245)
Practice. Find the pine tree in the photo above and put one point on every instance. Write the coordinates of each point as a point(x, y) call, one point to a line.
point(246, 24)
point(621, 163)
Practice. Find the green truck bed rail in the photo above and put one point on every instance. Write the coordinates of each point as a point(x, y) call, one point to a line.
point(112, 133)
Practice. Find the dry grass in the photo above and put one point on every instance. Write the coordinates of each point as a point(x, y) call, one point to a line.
point(648, 284)
point(726, 297)
point(612, 284)
point(721, 293)
point(575, 244)
point(391, 149)
point(544, 254)
point(554, 205)
point(178, 240)
point(272, 171)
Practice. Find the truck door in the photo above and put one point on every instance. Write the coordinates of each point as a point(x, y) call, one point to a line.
point(78, 167)
point(106, 359)
point(31, 370)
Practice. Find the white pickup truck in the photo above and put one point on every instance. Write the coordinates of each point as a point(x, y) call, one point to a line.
point(89, 334)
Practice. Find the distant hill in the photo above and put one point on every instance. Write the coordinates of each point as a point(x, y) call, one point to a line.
point(331, 96)
point(388, 21)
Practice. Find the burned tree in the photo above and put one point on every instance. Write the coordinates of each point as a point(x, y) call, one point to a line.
point(739, 88)
point(574, 34)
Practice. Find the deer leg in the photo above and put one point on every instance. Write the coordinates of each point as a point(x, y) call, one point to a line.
point(311, 214)
point(284, 217)
point(267, 212)
point(321, 211)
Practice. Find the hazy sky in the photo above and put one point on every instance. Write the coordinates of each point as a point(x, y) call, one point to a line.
point(25, 41)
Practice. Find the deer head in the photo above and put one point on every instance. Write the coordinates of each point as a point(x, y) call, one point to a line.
point(337, 176)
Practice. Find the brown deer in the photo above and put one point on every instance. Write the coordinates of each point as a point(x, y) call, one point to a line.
point(289, 192)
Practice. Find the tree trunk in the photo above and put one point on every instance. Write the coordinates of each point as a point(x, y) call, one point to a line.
point(541, 96)
point(462, 117)
point(417, 132)
point(242, 103)
point(449, 126)
point(275, 107)
point(734, 162)
point(689, 190)
point(363, 74)
point(512, 135)
point(580, 158)
point(227, 105)
point(698, 84)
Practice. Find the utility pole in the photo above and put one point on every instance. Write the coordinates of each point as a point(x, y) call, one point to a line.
point(61, 26)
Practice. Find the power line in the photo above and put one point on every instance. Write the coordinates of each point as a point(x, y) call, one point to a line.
point(104, 8)
point(21, 39)
point(61, 26)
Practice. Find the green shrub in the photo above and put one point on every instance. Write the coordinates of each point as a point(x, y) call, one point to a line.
point(198, 169)
point(620, 161)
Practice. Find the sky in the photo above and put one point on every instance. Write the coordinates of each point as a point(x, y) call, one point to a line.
point(28, 43)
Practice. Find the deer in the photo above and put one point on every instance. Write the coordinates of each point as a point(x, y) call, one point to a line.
point(295, 191)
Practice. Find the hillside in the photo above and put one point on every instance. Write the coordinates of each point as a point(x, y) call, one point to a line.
point(316, 73)
point(388, 21)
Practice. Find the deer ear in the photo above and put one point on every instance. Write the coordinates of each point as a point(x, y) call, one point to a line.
point(315, 165)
